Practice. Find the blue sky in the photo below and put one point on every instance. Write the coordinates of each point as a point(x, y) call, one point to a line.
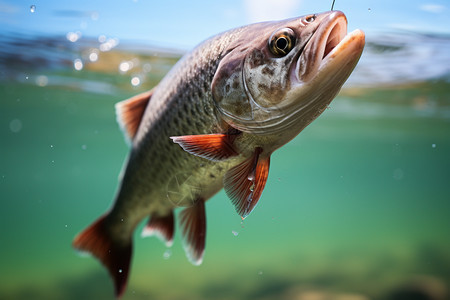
point(184, 24)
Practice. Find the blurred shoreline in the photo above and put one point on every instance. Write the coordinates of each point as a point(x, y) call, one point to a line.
point(389, 59)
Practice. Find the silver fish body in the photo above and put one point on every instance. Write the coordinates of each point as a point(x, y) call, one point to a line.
point(213, 122)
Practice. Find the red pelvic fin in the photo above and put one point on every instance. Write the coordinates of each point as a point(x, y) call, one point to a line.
point(245, 182)
point(193, 227)
point(162, 227)
point(210, 146)
point(115, 256)
point(129, 113)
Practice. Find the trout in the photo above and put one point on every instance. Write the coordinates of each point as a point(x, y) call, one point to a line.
point(213, 122)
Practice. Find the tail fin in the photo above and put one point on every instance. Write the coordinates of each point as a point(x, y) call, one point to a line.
point(115, 257)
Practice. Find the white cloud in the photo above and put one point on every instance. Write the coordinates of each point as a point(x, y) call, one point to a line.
point(433, 8)
point(267, 10)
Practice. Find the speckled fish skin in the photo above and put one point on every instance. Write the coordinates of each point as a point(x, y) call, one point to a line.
point(248, 89)
point(180, 105)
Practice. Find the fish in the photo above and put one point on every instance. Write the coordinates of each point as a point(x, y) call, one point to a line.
point(213, 122)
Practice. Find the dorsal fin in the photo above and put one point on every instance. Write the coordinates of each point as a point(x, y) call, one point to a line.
point(129, 113)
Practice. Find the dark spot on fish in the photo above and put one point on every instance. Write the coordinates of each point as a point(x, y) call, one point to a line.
point(267, 71)
point(236, 84)
point(263, 88)
point(212, 176)
point(256, 59)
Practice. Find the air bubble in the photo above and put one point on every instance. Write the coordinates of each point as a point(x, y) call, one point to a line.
point(398, 174)
point(42, 80)
point(102, 38)
point(93, 56)
point(73, 36)
point(15, 125)
point(32, 8)
point(94, 16)
point(108, 44)
point(167, 254)
point(235, 233)
point(433, 145)
point(120, 270)
point(78, 64)
point(125, 66)
point(147, 67)
point(135, 81)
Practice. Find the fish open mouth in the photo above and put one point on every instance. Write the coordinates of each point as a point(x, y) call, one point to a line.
point(328, 42)
point(336, 35)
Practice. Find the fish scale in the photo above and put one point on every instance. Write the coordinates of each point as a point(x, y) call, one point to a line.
point(212, 123)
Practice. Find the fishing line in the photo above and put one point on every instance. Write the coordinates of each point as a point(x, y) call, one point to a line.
point(332, 5)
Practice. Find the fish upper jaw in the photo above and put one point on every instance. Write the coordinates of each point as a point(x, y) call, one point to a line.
point(330, 33)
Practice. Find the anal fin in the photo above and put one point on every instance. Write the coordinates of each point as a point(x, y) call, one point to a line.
point(245, 182)
point(162, 227)
point(193, 227)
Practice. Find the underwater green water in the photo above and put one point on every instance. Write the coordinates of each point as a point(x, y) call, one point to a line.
point(357, 206)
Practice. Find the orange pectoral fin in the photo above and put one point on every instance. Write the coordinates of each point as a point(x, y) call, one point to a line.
point(210, 146)
point(245, 182)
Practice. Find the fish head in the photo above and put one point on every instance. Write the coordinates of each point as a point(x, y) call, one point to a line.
point(279, 76)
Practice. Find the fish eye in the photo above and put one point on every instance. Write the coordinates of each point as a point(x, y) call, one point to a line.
point(281, 42)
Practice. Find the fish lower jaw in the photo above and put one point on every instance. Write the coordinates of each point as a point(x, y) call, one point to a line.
point(350, 47)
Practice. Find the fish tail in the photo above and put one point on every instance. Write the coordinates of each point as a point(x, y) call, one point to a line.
point(115, 256)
